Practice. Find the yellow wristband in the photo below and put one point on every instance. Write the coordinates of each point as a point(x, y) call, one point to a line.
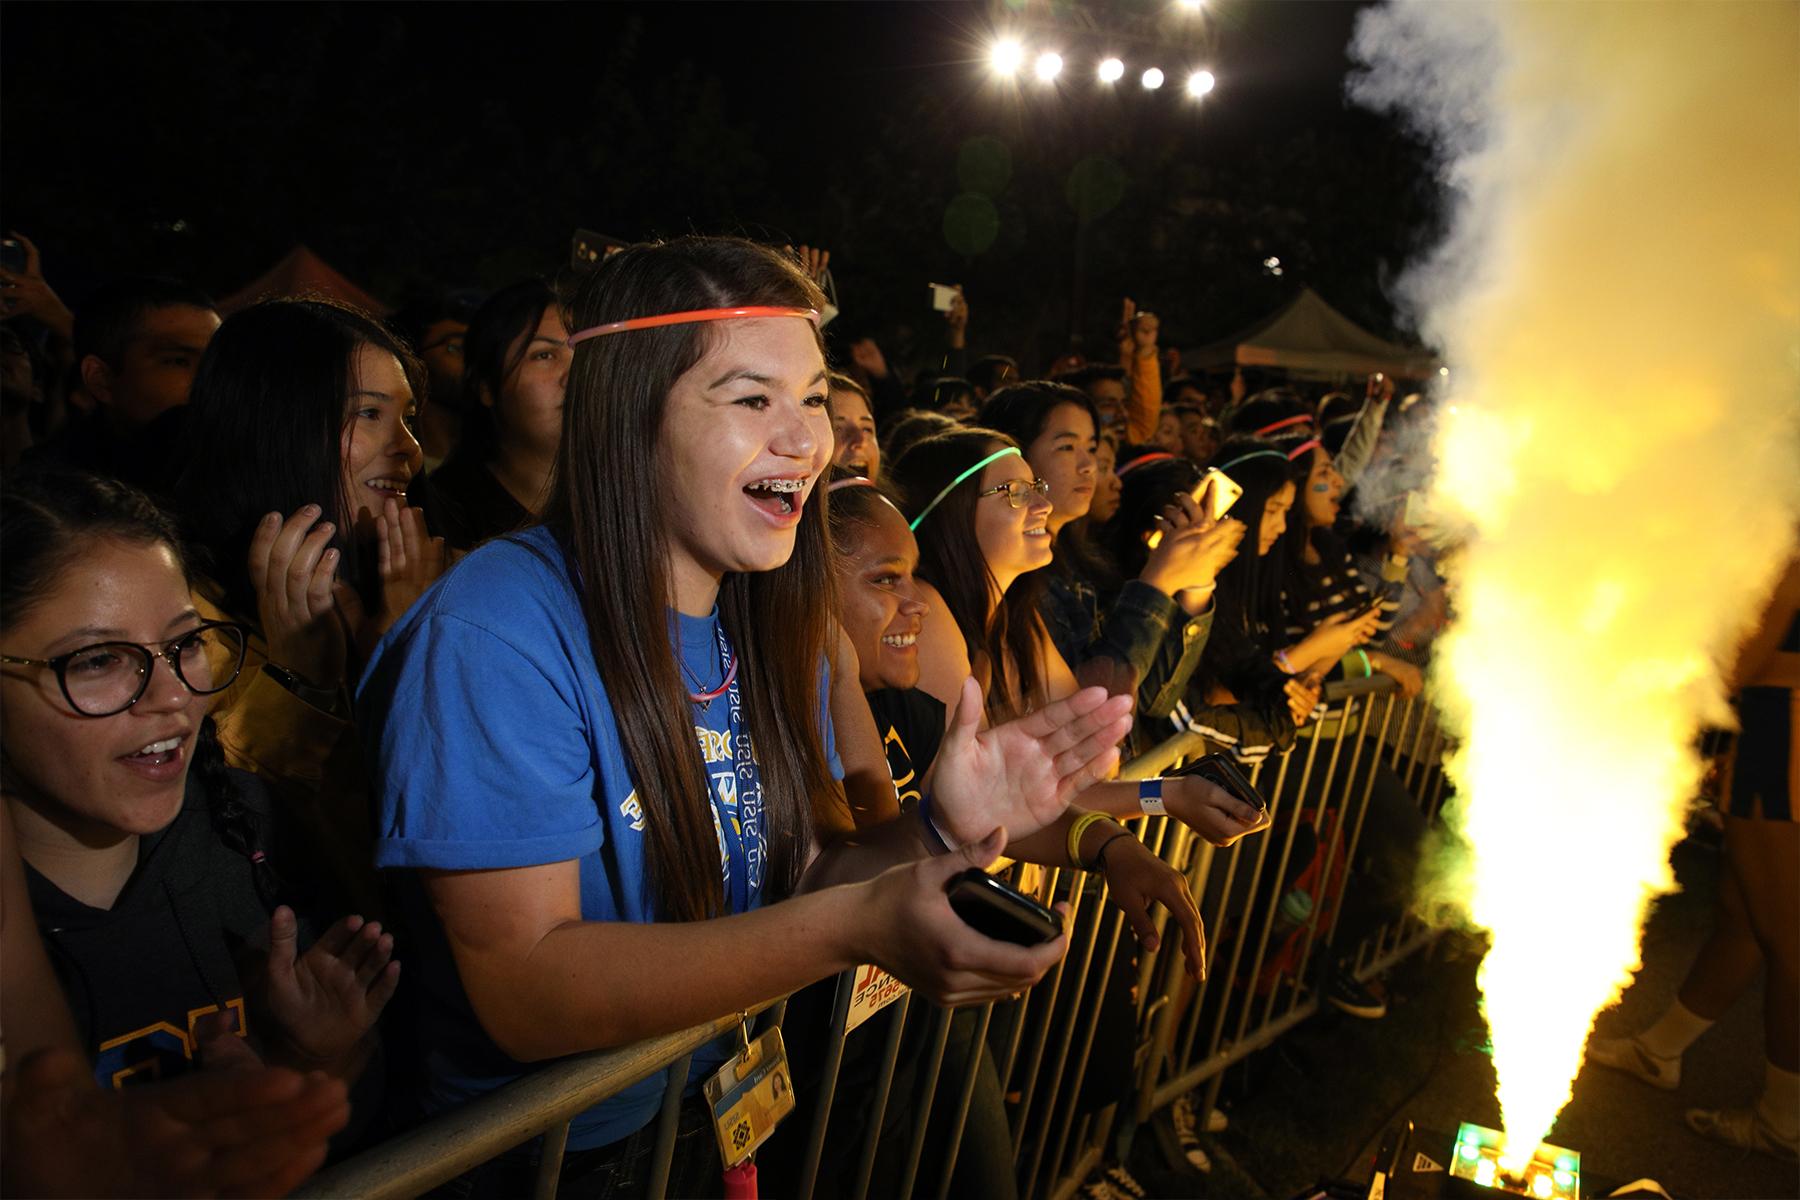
point(1077, 829)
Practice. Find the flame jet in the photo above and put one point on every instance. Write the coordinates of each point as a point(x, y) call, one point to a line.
point(1618, 293)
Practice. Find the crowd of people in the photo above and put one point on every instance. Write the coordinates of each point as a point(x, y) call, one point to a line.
point(636, 652)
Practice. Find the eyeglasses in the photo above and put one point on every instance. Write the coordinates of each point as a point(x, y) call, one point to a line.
point(110, 677)
point(1018, 492)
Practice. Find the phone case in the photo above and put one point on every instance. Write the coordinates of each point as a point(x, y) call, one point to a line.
point(1220, 770)
point(993, 908)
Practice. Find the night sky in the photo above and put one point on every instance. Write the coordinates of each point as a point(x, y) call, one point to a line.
point(462, 144)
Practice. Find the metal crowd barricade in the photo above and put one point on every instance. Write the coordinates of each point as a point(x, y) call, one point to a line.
point(1258, 985)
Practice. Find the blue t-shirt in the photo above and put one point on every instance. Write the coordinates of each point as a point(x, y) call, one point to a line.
point(495, 746)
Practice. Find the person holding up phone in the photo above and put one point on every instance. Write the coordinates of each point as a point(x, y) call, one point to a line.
point(1108, 624)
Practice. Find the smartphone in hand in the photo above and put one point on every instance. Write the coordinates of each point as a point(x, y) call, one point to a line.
point(994, 908)
point(1215, 494)
point(1221, 771)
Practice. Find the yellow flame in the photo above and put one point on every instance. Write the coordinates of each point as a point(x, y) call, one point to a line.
point(1619, 299)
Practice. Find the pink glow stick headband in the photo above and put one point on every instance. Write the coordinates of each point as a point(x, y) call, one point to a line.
point(853, 481)
point(1302, 448)
point(686, 318)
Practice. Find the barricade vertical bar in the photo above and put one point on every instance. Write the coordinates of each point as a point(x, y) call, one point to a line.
point(550, 1161)
point(1036, 1057)
point(1274, 909)
point(977, 1048)
point(1387, 715)
point(1162, 1012)
point(834, 1058)
point(1406, 715)
point(1344, 817)
point(668, 1123)
point(1275, 799)
point(1081, 1012)
point(1015, 1034)
point(884, 1083)
point(940, 1033)
point(1089, 1028)
point(1325, 798)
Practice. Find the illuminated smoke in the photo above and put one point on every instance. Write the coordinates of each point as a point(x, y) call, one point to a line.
point(1618, 295)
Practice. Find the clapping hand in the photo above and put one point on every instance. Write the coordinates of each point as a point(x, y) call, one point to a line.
point(1021, 775)
point(326, 1000)
point(293, 570)
point(248, 1131)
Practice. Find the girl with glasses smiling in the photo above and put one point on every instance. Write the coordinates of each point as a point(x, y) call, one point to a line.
point(150, 865)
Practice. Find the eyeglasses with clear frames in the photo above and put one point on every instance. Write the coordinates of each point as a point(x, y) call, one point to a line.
point(109, 677)
point(1018, 492)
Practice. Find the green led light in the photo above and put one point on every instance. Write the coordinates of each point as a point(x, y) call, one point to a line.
point(1471, 1137)
point(1564, 1179)
point(1470, 1150)
point(1565, 1162)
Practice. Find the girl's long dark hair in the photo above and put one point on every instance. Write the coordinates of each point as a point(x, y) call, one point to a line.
point(265, 428)
point(606, 510)
point(1020, 411)
point(950, 558)
point(1249, 588)
point(498, 338)
point(48, 519)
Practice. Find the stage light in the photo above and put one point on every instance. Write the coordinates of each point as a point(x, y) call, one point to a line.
point(1190, 5)
point(1153, 78)
point(1049, 65)
point(1111, 71)
point(1200, 83)
point(1006, 57)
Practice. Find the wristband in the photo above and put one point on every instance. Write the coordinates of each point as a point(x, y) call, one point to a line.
point(1150, 797)
point(1076, 830)
point(1281, 660)
point(1100, 854)
point(935, 841)
point(1368, 668)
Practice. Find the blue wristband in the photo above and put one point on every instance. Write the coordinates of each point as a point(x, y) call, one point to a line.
point(1150, 797)
point(934, 838)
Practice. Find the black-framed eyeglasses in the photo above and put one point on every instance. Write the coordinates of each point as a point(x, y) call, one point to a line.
point(1018, 492)
point(110, 677)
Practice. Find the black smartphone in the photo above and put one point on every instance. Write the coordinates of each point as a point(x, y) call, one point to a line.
point(12, 255)
point(1220, 770)
point(994, 908)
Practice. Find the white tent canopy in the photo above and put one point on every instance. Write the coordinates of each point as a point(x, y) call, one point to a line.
point(1309, 337)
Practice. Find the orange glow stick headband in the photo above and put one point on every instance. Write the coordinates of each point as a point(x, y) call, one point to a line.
point(686, 318)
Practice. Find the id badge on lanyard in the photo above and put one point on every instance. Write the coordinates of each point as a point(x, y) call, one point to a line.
point(750, 1094)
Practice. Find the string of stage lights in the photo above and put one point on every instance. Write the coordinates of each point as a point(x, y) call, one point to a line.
point(1007, 57)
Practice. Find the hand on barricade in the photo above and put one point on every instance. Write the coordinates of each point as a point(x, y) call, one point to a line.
point(914, 934)
point(292, 570)
point(252, 1132)
point(1211, 811)
point(813, 261)
point(1135, 879)
point(1405, 674)
point(1021, 775)
point(1302, 697)
point(326, 1000)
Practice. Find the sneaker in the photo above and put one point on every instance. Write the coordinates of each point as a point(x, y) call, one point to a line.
point(1123, 1183)
point(1183, 1114)
point(1743, 1128)
point(1347, 994)
point(1632, 1057)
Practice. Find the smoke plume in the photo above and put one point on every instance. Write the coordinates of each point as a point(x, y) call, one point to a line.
point(1618, 298)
